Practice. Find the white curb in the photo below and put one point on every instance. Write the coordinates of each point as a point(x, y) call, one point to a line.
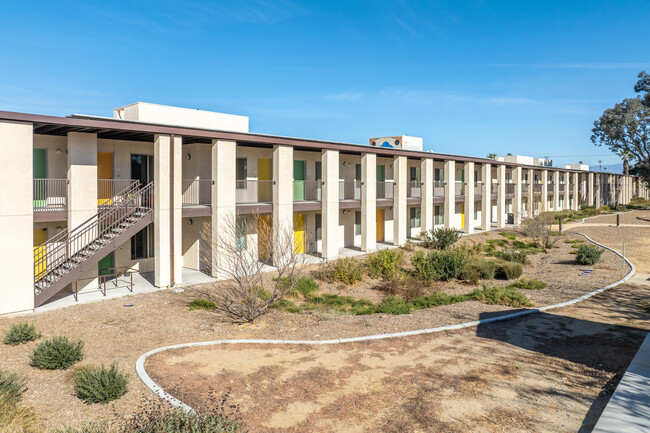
point(153, 386)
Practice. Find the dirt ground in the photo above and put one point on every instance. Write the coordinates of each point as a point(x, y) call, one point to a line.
point(116, 333)
point(543, 373)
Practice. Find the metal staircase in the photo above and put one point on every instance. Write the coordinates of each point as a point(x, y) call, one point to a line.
point(66, 256)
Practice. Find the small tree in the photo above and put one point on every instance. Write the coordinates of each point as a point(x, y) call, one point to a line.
point(540, 228)
point(244, 294)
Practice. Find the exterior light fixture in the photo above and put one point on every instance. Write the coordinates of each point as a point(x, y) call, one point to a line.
point(190, 221)
point(189, 156)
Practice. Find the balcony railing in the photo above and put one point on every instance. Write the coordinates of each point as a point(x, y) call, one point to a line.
point(109, 190)
point(253, 191)
point(562, 188)
point(459, 188)
point(524, 188)
point(385, 189)
point(349, 190)
point(414, 189)
point(438, 188)
point(197, 192)
point(478, 190)
point(50, 195)
point(307, 190)
point(510, 188)
point(537, 188)
point(495, 188)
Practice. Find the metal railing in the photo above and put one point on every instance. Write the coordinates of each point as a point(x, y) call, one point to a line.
point(349, 190)
point(385, 189)
point(254, 191)
point(524, 187)
point(494, 189)
point(438, 188)
point(50, 195)
point(561, 189)
point(74, 246)
point(103, 279)
point(478, 189)
point(537, 188)
point(510, 188)
point(459, 188)
point(307, 190)
point(414, 189)
point(111, 191)
point(197, 192)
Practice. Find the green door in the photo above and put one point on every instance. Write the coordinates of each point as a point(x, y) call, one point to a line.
point(106, 265)
point(299, 180)
point(40, 172)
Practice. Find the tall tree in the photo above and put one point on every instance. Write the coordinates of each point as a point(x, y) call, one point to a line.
point(492, 155)
point(625, 129)
point(625, 156)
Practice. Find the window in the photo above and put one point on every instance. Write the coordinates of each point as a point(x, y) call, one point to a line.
point(438, 216)
point(319, 170)
point(476, 206)
point(241, 172)
point(319, 227)
point(142, 243)
point(142, 168)
point(415, 174)
point(415, 219)
point(240, 242)
point(357, 223)
point(357, 172)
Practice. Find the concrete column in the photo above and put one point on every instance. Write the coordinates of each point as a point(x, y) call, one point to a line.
point(469, 197)
point(426, 203)
point(224, 207)
point(501, 196)
point(400, 209)
point(544, 190)
point(82, 190)
point(16, 217)
point(590, 189)
point(486, 197)
point(162, 210)
point(282, 197)
point(330, 161)
point(556, 191)
point(531, 194)
point(576, 191)
point(516, 203)
point(450, 193)
point(598, 190)
point(177, 208)
point(368, 202)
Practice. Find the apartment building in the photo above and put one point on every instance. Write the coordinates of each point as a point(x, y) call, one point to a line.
point(81, 195)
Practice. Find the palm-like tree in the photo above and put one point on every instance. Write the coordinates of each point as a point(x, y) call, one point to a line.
point(625, 156)
point(492, 155)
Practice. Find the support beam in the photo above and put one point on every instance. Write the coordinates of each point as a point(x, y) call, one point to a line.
point(556, 191)
point(590, 189)
point(330, 203)
point(162, 210)
point(599, 190)
point(469, 197)
point(426, 201)
point(486, 197)
point(576, 192)
point(501, 196)
point(400, 209)
point(544, 191)
point(368, 202)
point(516, 203)
point(16, 217)
point(531, 194)
point(282, 198)
point(450, 193)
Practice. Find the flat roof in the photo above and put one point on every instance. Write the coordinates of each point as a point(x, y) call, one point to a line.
point(119, 129)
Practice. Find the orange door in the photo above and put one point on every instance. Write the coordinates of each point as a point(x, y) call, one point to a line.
point(380, 225)
point(104, 171)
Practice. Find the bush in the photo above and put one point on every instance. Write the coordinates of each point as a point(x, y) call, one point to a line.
point(346, 270)
point(511, 256)
point(501, 295)
point(424, 269)
point(440, 238)
point(202, 304)
point(478, 269)
point(539, 229)
point(12, 386)
point(393, 305)
point(588, 255)
point(621, 208)
point(21, 333)
point(384, 263)
point(532, 284)
point(100, 384)
point(175, 420)
point(508, 270)
point(439, 265)
point(57, 353)
point(16, 418)
point(94, 427)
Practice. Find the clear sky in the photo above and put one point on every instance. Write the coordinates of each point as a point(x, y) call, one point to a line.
point(470, 77)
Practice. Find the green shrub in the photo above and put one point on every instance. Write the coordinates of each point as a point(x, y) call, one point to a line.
point(436, 299)
point(21, 333)
point(478, 269)
point(175, 420)
point(12, 386)
point(588, 255)
point(345, 270)
point(440, 238)
point(424, 269)
point(93, 427)
point(529, 284)
point(440, 265)
point(15, 418)
point(508, 270)
point(202, 304)
point(393, 305)
point(509, 236)
point(57, 353)
point(500, 295)
point(511, 256)
point(304, 286)
point(100, 384)
point(621, 208)
point(384, 263)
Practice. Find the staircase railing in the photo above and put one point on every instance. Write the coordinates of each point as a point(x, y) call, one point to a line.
point(113, 191)
point(66, 245)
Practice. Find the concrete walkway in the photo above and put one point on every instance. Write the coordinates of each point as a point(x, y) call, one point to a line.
point(629, 408)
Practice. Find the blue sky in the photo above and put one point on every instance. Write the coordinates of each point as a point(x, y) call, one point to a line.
point(470, 77)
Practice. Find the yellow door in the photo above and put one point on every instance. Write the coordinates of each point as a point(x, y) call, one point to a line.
point(380, 225)
point(264, 237)
point(264, 174)
point(462, 215)
point(40, 237)
point(299, 233)
point(104, 171)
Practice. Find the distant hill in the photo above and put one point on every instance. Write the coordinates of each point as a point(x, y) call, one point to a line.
point(613, 168)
